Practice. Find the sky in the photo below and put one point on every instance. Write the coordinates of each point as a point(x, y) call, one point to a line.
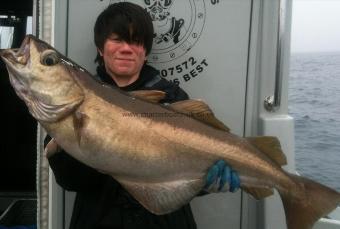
point(315, 26)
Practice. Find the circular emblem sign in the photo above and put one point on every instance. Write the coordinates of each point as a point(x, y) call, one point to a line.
point(178, 26)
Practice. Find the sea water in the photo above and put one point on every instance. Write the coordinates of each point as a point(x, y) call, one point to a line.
point(314, 102)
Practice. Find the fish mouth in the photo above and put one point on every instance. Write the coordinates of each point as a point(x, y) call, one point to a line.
point(17, 60)
point(8, 55)
point(17, 57)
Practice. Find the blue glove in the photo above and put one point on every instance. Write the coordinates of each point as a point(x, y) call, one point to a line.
point(221, 178)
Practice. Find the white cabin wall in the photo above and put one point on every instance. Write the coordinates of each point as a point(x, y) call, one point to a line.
point(224, 44)
point(250, 214)
point(248, 63)
point(277, 123)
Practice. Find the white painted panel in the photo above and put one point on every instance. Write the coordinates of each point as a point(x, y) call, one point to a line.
point(327, 224)
point(214, 68)
point(209, 61)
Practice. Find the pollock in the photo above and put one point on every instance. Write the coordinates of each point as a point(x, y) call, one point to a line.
point(159, 153)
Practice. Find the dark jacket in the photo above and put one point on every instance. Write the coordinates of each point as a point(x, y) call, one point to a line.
point(101, 202)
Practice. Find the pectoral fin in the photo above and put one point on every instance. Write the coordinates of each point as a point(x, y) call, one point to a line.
point(200, 111)
point(51, 148)
point(164, 197)
point(79, 122)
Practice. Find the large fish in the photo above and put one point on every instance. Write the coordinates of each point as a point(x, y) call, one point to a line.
point(159, 153)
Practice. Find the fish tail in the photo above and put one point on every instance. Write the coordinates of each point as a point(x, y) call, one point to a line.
point(314, 201)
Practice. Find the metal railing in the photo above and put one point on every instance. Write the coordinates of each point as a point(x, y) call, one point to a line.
point(273, 102)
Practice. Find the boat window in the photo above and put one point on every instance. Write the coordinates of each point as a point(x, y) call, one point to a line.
point(13, 29)
point(6, 33)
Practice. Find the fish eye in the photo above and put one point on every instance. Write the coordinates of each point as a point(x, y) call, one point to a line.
point(49, 57)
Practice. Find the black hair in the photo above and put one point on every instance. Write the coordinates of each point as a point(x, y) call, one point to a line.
point(129, 21)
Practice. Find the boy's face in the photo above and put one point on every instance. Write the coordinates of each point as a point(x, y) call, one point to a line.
point(122, 58)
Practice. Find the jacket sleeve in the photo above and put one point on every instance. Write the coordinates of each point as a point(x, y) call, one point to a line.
point(73, 175)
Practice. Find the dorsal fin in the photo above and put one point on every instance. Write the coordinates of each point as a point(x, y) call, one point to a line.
point(200, 111)
point(271, 147)
point(153, 96)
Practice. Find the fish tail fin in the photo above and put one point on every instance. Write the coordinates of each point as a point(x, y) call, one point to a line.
point(315, 202)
